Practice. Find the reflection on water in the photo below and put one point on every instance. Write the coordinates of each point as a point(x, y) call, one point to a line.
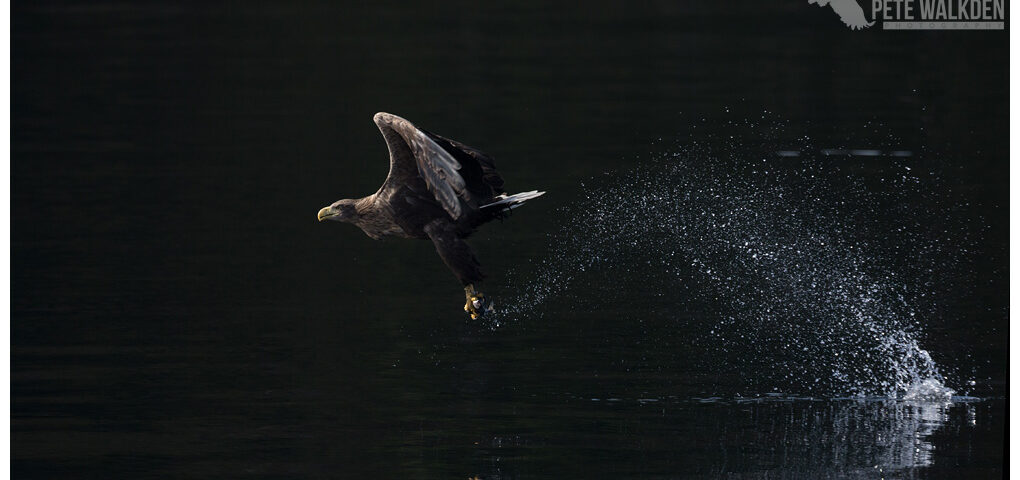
point(769, 437)
point(862, 436)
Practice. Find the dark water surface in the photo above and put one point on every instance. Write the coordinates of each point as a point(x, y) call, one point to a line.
point(179, 313)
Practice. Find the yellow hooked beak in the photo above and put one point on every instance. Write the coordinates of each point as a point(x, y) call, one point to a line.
point(325, 213)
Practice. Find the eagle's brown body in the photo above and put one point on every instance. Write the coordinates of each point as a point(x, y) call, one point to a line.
point(377, 220)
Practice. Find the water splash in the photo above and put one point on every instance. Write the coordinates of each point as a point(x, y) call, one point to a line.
point(810, 275)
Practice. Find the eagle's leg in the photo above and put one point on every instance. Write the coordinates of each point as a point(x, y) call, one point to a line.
point(457, 255)
point(475, 302)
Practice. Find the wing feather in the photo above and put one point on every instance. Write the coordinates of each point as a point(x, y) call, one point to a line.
point(412, 154)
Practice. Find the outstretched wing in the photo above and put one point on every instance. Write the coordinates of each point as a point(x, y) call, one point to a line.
point(414, 154)
point(477, 167)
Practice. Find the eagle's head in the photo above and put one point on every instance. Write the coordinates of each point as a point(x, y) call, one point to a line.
point(339, 211)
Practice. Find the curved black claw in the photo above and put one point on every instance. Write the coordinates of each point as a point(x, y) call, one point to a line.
point(476, 304)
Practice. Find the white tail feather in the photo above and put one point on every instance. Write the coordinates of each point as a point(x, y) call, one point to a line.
point(515, 200)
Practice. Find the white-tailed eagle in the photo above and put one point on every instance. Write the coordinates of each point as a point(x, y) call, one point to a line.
point(437, 189)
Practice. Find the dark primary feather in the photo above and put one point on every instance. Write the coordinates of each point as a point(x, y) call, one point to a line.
point(490, 183)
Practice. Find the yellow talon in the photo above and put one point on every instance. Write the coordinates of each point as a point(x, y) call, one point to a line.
point(475, 303)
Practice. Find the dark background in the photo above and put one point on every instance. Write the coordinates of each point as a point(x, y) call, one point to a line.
point(178, 312)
